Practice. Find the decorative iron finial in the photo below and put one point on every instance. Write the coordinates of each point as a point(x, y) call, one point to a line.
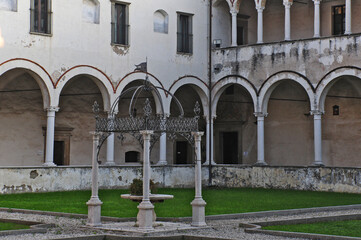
point(197, 109)
point(96, 108)
point(147, 108)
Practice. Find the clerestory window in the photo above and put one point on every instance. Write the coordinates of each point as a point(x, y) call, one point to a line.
point(120, 25)
point(184, 33)
point(40, 16)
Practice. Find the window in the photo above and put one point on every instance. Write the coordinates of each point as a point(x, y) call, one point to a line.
point(40, 16)
point(338, 16)
point(8, 5)
point(120, 27)
point(161, 21)
point(184, 34)
point(91, 11)
point(132, 156)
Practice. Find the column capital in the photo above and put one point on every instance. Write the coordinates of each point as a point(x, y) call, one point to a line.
point(233, 11)
point(287, 3)
point(260, 8)
point(197, 135)
point(317, 2)
point(146, 134)
point(52, 109)
point(260, 114)
point(316, 113)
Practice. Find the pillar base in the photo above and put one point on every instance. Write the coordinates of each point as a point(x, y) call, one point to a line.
point(162, 163)
point(109, 164)
point(198, 212)
point(207, 163)
point(49, 164)
point(348, 33)
point(94, 212)
point(260, 164)
point(318, 164)
point(145, 215)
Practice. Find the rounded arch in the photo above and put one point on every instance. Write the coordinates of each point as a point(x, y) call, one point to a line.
point(40, 75)
point(272, 82)
point(99, 78)
point(199, 86)
point(160, 21)
point(222, 84)
point(329, 80)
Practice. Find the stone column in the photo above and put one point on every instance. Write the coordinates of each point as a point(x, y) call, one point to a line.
point(317, 117)
point(50, 130)
point(260, 24)
point(317, 18)
point(287, 5)
point(260, 138)
point(163, 149)
point(198, 204)
point(348, 17)
point(209, 142)
point(110, 150)
point(145, 215)
point(94, 204)
point(234, 27)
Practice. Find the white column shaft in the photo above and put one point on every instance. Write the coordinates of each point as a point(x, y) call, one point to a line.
point(95, 166)
point(234, 28)
point(318, 138)
point(110, 150)
point(287, 21)
point(260, 140)
point(163, 149)
point(348, 17)
point(260, 25)
point(50, 130)
point(207, 143)
point(317, 19)
point(198, 170)
point(146, 165)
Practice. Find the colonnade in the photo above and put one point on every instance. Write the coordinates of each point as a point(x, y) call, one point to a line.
point(260, 6)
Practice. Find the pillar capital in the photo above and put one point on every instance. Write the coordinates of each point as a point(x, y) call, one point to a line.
point(316, 113)
point(146, 134)
point(317, 2)
point(260, 8)
point(287, 3)
point(233, 12)
point(197, 136)
point(260, 114)
point(52, 109)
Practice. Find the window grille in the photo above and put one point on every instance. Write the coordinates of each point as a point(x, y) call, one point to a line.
point(120, 26)
point(184, 34)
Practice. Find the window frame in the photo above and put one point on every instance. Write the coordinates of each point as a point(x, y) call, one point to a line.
point(33, 16)
point(126, 25)
point(182, 46)
point(343, 14)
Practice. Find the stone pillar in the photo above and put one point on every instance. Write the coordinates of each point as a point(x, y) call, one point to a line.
point(260, 24)
point(234, 27)
point(209, 142)
point(317, 18)
point(260, 138)
point(287, 5)
point(94, 204)
point(110, 150)
point(163, 149)
point(50, 130)
point(348, 17)
point(198, 204)
point(145, 215)
point(317, 117)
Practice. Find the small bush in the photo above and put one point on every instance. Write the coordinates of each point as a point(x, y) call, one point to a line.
point(136, 188)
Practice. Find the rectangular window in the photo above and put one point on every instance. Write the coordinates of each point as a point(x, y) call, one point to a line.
point(40, 16)
point(338, 16)
point(184, 34)
point(120, 27)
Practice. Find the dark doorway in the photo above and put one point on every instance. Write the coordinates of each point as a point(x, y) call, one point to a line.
point(59, 149)
point(230, 147)
point(181, 152)
point(132, 156)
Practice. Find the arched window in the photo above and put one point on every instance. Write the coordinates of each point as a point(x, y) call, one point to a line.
point(160, 21)
point(8, 5)
point(132, 156)
point(91, 11)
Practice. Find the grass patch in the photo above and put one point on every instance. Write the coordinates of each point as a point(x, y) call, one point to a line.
point(350, 228)
point(219, 201)
point(4, 226)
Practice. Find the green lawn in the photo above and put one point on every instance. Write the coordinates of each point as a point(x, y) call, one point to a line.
point(12, 226)
point(351, 228)
point(219, 201)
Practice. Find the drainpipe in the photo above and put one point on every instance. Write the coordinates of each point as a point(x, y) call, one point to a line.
point(210, 95)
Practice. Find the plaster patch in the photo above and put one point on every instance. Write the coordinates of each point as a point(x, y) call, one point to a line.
point(327, 60)
point(339, 59)
point(120, 50)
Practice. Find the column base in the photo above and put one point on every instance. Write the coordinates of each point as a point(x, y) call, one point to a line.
point(49, 164)
point(162, 163)
point(207, 163)
point(318, 164)
point(198, 212)
point(348, 33)
point(316, 36)
point(260, 42)
point(260, 164)
point(145, 215)
point(109, 164)
point(94, 212)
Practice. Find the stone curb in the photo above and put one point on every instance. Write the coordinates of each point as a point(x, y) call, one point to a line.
point(185, 219)
point(256, 227)
point(35, 227)
point(114, 237)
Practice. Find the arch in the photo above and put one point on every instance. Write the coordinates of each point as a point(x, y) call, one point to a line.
point(40, 75)
point(329, 79)
point(100, 79)
point(160, 21)
point(273, 81)
point(223, 83)
point(199, 86)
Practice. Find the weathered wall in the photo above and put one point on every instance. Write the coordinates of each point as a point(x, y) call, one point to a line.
point(16, 180)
